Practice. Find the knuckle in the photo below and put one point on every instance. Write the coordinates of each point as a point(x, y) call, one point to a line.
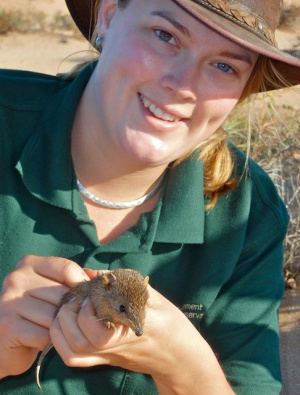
point(7, 325)
point(70, 361)
point(15, 279)
point(71, 270)
point(126, 359)
point(26, 260)
point(67, 266)
point(80, 345)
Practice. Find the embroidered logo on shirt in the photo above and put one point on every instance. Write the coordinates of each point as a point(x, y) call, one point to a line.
point(194, 312)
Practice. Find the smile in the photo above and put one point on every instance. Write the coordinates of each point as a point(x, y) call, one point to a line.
point(158, 112)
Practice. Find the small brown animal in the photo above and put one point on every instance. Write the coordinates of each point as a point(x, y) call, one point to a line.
point(118, 296)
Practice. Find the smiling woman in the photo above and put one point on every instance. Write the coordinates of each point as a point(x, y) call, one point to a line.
point(122, 163)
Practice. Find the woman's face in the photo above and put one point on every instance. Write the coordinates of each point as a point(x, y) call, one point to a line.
point(164, 82)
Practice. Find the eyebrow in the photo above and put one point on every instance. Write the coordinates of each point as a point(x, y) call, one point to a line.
point(244, 57)
point(176, 24)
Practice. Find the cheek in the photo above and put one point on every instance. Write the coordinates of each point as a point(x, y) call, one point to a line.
point(211, 116)
point(218, 110)
point(137, 61)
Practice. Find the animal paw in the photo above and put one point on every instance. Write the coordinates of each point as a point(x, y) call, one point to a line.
point(110, 325)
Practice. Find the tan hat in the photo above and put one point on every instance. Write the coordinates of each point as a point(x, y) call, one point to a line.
point(249, 23)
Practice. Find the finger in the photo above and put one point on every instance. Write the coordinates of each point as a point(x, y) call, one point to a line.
point(23, 279)
point(64, 344)
point(94, 273)
point(58, 269)
point(36, 311)
point(67, 354)
point(29, 334)
point(67, 317)
point(23, 282)
point(97, 332)
point(51, 293)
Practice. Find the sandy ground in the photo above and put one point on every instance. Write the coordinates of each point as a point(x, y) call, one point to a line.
point(58, 52)
point(46, 53)
point(290, 342)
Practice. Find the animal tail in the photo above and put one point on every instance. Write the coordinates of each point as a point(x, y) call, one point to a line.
point(39, 363)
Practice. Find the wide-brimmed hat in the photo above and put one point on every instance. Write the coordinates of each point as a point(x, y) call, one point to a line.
point(249, 23)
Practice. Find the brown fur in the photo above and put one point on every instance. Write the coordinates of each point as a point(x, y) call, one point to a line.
point(118, 296)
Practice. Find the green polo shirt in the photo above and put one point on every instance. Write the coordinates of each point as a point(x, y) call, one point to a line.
point(222, 267)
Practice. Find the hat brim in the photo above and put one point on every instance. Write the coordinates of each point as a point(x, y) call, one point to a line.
point(82, 12)
point(287, 65)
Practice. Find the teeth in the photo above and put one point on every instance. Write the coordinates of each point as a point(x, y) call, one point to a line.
point(158, 112)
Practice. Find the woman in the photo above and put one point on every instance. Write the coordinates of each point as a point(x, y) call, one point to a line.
point(144, 121)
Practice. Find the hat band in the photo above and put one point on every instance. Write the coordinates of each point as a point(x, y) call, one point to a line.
point(242, 15)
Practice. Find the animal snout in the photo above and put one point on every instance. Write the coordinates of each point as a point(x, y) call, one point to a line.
point(139, 331)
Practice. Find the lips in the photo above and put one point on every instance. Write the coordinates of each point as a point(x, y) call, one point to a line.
point(158, 112)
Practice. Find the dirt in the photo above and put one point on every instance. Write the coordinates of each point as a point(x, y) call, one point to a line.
point(49, 53)
point(289, 319)
point(58, 51)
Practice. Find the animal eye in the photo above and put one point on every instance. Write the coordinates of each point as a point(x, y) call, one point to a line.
point(122, 308)
point(165, 36)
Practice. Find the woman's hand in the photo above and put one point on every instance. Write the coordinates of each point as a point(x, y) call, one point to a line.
point(28, 301)
point(170, 349)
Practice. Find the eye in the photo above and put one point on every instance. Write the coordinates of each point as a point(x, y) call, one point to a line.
point(165, 36)
point(122, 308)
point(224, 67)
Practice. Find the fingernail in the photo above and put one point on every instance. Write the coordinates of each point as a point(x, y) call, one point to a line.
point(85, 302)
point(73, 299)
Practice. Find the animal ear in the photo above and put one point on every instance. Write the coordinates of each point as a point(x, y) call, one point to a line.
point(108, 279)
point(146, 280)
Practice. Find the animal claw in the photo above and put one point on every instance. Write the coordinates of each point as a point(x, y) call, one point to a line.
point(110, 324)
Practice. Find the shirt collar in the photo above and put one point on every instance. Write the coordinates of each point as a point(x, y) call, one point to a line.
point(46, 164)
point(47, 171)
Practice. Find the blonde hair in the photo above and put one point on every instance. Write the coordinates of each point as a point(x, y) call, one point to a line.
point(218, 162)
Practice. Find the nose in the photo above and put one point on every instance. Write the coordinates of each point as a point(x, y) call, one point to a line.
point(139, 331)
point(180, 78)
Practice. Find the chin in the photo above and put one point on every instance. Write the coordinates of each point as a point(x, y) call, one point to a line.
point(151, 160)
point(149, 154)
